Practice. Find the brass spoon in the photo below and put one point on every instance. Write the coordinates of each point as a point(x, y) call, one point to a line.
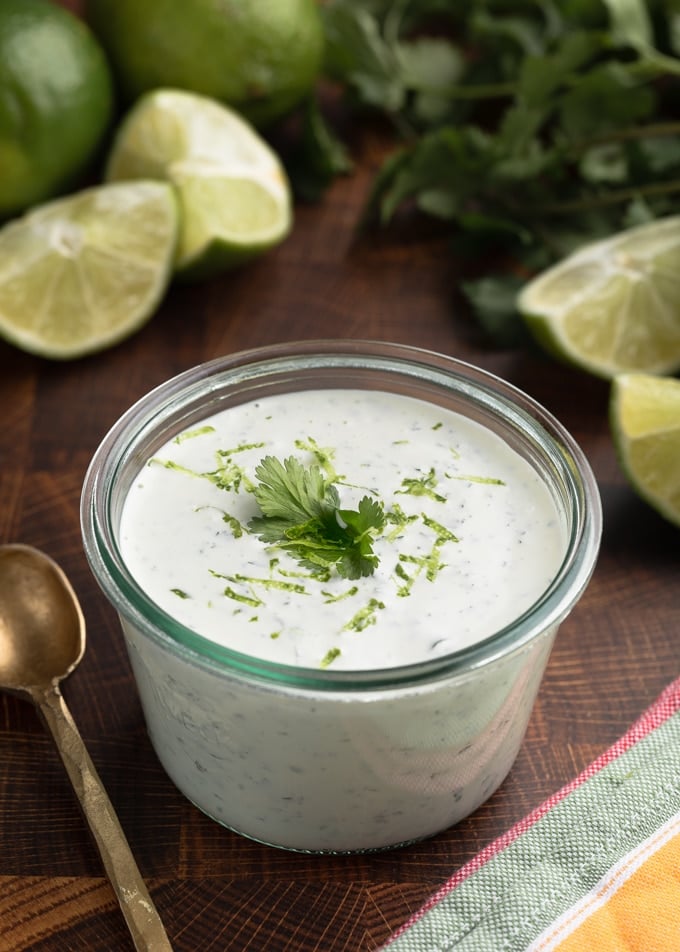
point(42, 639)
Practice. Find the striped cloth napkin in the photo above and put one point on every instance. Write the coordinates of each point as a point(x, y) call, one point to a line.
point(596, 868)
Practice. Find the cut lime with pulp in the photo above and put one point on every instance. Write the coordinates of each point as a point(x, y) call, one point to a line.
point(645, 422)
point(81, 273)
point(613, 306)
point(234, 196)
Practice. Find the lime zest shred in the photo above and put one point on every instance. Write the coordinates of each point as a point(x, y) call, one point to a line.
point(252, 600)
point(330, 657)
point(432, 563)
point(227, 475)
point(485, 480)
point(399, 519)
point(234, 524)
point(191, 434)
point(324, 456)
point(296, 587)
point(443, 534)
point(317, 573)
point(421, 486)
point(409, 580)
point(365, 616)
point(330, 598)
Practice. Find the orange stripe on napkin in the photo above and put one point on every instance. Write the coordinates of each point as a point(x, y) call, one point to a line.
point(633, 909)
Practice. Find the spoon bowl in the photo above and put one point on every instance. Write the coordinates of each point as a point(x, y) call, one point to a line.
point(36, 599)
point(42, 639)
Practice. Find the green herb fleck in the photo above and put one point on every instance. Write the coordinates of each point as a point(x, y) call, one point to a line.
point(301, 513)
point(180, 593)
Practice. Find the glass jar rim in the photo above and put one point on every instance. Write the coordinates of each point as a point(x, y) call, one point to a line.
point(242, 372)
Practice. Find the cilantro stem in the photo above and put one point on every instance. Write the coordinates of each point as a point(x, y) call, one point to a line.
point(613, 197)
point(654, 130)
point(476, 91)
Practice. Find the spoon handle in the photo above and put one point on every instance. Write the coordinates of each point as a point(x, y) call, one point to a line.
point(136, 904)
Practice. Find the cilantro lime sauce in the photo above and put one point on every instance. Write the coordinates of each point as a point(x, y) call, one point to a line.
point(471, 536)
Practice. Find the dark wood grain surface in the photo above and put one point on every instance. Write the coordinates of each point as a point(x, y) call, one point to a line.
point(214, 889)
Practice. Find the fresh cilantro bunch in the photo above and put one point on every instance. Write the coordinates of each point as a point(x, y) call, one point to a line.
point(301, 513)
point(531, 126)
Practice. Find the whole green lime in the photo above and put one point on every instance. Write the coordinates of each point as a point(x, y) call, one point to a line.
point(258, 56)
point(56, 101)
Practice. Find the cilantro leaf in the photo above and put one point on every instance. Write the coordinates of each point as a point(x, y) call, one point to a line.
point(319, 155)
point(494, 300)
point(292, 491)
point(301, 513)
point(357, 52)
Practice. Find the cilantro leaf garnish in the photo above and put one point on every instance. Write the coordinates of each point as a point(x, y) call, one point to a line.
point(301, 513)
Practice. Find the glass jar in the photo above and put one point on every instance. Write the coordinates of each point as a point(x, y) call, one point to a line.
point(326, 760)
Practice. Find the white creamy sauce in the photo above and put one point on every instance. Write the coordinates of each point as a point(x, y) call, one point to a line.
point(473, 535)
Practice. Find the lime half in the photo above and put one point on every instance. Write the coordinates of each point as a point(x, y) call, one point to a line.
point(234, 196)
point(645, 423)
point(613, 306)
point(80, 273)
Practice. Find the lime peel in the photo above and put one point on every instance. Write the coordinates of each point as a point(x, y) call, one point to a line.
point(645, 423)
